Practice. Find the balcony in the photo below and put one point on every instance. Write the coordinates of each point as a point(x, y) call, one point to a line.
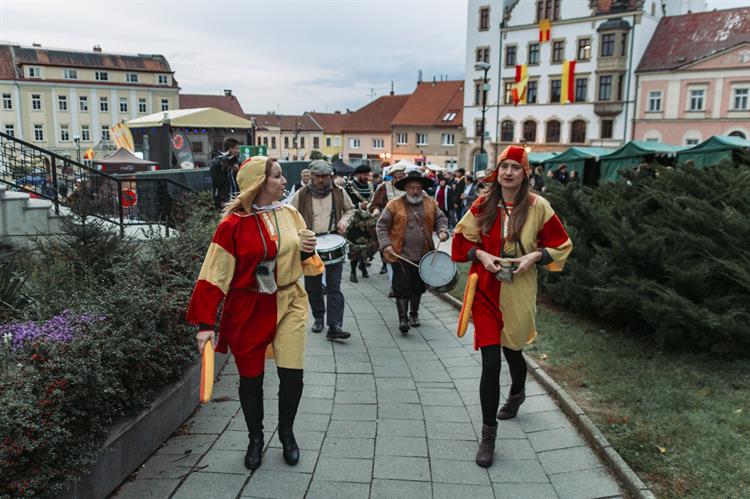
point(607, 108)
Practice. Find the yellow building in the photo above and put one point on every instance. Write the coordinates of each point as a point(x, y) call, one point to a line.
point(333, 137)
point(66, 100)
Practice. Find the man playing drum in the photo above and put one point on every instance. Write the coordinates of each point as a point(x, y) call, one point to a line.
point(405, 235)
point(326, 209)
point(361, 231)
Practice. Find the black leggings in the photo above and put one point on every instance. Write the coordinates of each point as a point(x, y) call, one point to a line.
point(489, 384)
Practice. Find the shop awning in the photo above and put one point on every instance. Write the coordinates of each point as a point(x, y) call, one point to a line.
point(537, 158)
point(632, 154)
point(713, 150)
point(204, 117)
point(575, 158)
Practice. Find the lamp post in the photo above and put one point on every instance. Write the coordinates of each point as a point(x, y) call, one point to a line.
point(77, 141)
point(483, 66)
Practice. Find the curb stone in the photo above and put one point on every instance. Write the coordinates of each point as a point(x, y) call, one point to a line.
point(578, 417)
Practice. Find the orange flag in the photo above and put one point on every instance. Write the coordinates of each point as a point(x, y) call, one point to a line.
point(518, 90)
point(89, 154)
point(545, 30)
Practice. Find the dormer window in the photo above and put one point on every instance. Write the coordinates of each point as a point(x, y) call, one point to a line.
point(35, 72)
point(449, 116)
point(70, 74)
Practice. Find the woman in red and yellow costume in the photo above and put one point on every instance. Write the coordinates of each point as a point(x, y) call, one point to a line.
point(257, 255)
point(506, 233)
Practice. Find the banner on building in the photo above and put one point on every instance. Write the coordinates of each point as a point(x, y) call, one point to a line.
point(120, 134)
point(89, 154)
point(518, 90)
point(545, 30)
point(180, 146)
point(567, 92)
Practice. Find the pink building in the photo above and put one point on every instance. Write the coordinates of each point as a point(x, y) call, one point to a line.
point(694, 79)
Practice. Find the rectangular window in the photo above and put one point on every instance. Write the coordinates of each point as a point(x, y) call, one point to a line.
point(584, 49)
point(337, 141)
point(103, 104)
point(165, 104)
point(624, 44)
point(533, 54)
point(316, 143)
point(354, 143)
point(447, 139)
point(531, 92)
point(273, 142)
point(64, 133)
point(85, 133)
point(10, 130)
point(39, 133)
point(163, 79)
point(478, 93)
point(141, 105)
point(378, 143)
point(607, 126)
point(555, 87)
point(70, 74)
point(7, 102)
point(123, 104)
point(740, 98)
point(508, 93)
point(510, 55)
point(558, 52)
point(696, 99)
point(265, 141)
point(83, 103)
point(35, 72)
point(605, 87)
point(36, 102)
point(449, 116)
point(286, 142)
point(620, 85)
point(131, 77)
point(105, 133)
point(608, 45)
point(581, 89)
point(484, 19)
point(402, 138)
point(482, 54)
point(421, 139)
point(102, 76)
point(302, 142)
point(691, 142)
point(62, 102)
point(328, 141)
point(478, 128)
point(654, 101)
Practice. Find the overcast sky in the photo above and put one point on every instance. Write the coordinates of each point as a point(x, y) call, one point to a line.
point(288, 56)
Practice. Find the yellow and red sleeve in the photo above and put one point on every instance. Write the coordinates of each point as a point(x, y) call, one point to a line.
point(468, 233)
point(311, 265)
point(554, 238)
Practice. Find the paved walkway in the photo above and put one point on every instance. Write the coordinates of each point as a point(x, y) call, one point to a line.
point(382, 415)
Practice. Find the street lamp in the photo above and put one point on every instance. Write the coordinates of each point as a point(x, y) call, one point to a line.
point(483, 66)
point(77, 140)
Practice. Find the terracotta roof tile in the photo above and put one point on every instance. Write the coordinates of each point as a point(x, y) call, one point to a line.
point(431, 102)
point(682, 40)
point(330, 122)
point(376, 116)
point(228, 103)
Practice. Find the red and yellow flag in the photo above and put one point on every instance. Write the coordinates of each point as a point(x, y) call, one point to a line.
point(89, 154)
point(545, 30)
point(518, 89)
point(567, 92)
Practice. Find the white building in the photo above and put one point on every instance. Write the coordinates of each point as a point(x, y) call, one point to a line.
point(606, 39)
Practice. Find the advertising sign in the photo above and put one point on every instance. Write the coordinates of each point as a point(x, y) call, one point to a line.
point(180, 145)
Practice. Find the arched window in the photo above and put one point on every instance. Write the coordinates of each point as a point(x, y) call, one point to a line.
point(737, 133)
point(529, 131)
point(506, 131)
point(578, 132)
point(553, 132)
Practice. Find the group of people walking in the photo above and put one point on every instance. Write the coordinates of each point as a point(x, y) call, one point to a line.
point(262, 248)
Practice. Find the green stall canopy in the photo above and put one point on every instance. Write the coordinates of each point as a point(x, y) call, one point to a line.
point(537, 158)
point(632, 154)
point(713, 150)
point(575, 158)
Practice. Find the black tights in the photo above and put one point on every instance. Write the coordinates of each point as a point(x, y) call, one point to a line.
point(251, 399)
point(489, 384)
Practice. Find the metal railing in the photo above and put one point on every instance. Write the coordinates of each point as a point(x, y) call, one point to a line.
point(117, 199)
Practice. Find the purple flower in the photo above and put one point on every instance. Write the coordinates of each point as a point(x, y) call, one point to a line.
point(60, 328)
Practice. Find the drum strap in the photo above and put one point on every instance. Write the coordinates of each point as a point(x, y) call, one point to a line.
point(332, 218)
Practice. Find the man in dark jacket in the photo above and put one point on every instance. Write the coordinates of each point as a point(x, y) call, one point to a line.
point(445, 197)
point(224, 171)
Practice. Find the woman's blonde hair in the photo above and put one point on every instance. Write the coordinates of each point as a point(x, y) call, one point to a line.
point(239, 202)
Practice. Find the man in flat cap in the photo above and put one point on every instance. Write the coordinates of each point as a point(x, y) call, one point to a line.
point(361, 231)
point(405, 233)
point(326, 209)
point(385, 192)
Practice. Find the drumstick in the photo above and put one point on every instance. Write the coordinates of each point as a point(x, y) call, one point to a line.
point(406, 260)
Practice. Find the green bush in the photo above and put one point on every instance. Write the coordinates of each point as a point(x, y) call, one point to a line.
point(664, 257)
point(61, 391)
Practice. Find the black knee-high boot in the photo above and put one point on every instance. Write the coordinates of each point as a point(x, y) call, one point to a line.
point(353, 275)
point(290, 393)
point(414, 310)
point(251, 399)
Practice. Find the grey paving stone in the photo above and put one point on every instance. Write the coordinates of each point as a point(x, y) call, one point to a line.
point(353, 367)
point(277, 484)
point(514, 448)
point(517, 471)
point(395, 384)
point(425, 365)
point(232, 440)
point(585, 484)
point(524, 491)
point(224, 409)
point(459, 450)
point(398, 396)
point(321, 489)
point(400, 489)
point(306, 440)
point(194, 444)
point(391, 371)
point(352, 429)
point(567, 460)
point(355, 382)
point(212, 425)
point(319, 366)
point(146, 489)
point(315, 406)
point(452, 471)
point(325, 379)
point(431, 375)
point(508, 428)
point(419, 355)
point(460, 361)
point(318, 392)
point(336, 469)
point(311, 422)
point(274, 460)
point(451, 431)
point(355, 412)
point(559, 438)
point(539, 403)
point(465, 372)
point(539, 421)
point(438, 396)
point(358, 448)
point(225, 391)
point(452, 491)
point(214, 485)
point(456, 414)
point(387, 410)
point(224, 461)
point(402, 468)
point(401, 446)
point(356, 397)
point(400, 427)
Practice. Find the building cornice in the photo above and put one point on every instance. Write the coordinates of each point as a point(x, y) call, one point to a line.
point(85, 83)
point(575, 20)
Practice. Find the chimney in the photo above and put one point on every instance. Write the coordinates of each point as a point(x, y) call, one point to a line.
point(97, 48)
point(337, 112)
point(392, 87)
point(227, 92)
point(37, 45)
point(434, 81)
point(419, 78)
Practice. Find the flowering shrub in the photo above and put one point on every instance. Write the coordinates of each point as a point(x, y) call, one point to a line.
point(60, 328)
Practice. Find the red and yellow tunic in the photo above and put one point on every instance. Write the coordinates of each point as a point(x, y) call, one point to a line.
point(250, 321)
point(504, 312)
